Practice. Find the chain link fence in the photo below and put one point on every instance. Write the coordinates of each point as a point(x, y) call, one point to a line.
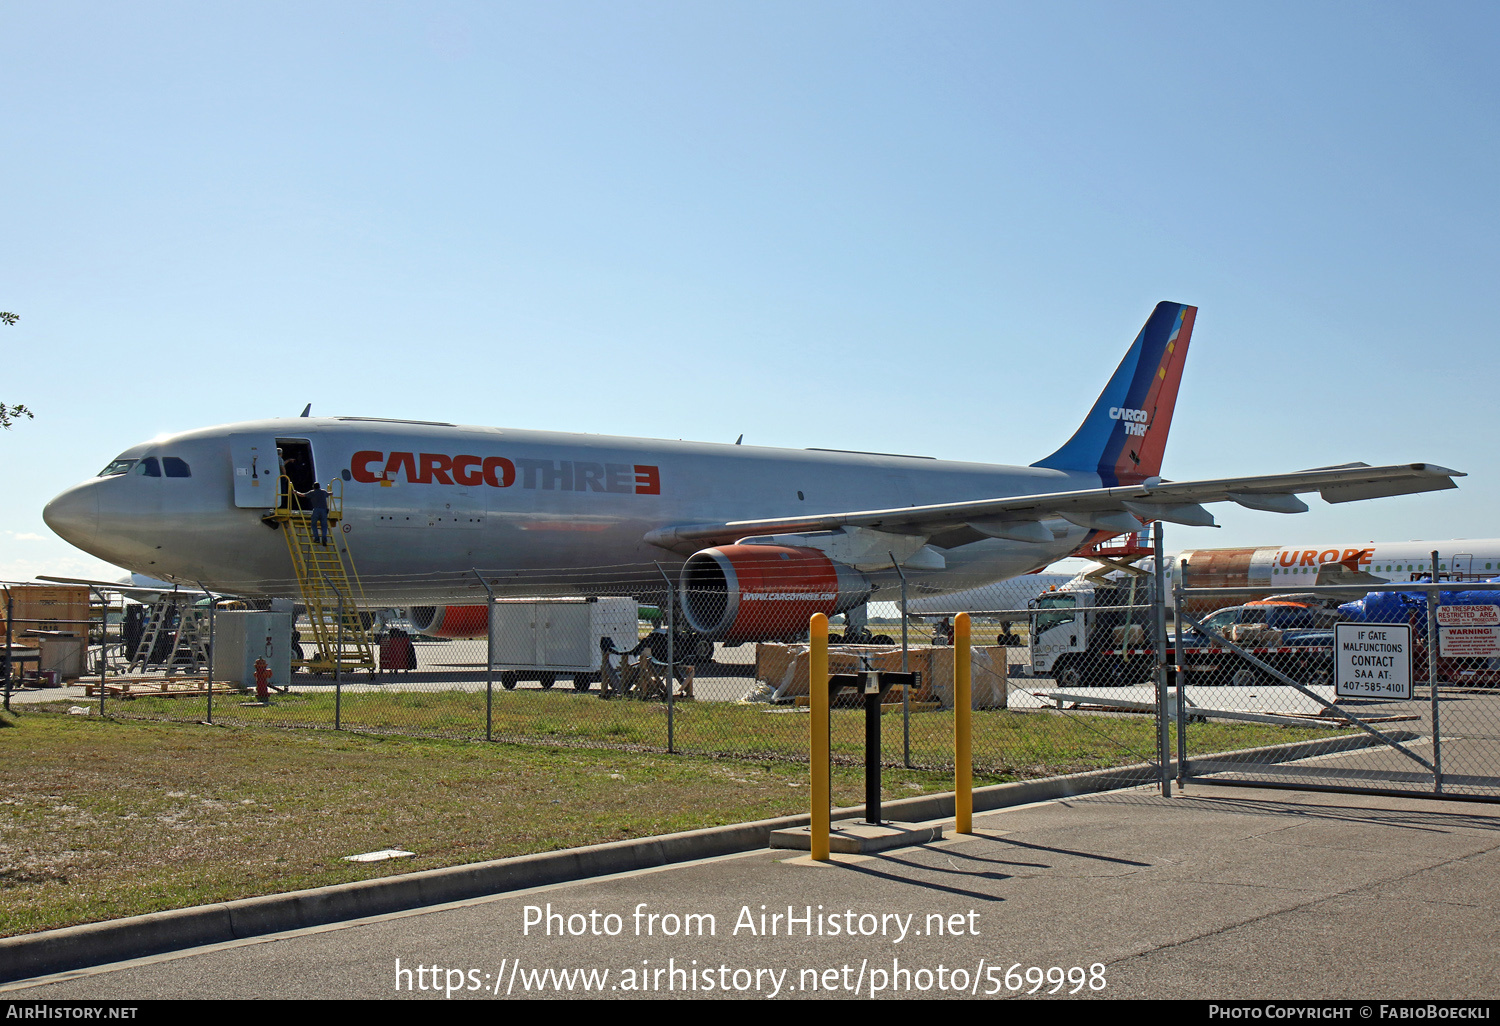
point(1112, 673)
point(632, 670)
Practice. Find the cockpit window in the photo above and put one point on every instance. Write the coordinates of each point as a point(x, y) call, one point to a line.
point(175, 467)
point(148, 467)
point(117, 467)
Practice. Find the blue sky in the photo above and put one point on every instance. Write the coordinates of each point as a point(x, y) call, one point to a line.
point(924, 228)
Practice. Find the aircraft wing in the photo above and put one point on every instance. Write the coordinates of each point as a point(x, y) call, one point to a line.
point(1116, 510)
point(134, 591)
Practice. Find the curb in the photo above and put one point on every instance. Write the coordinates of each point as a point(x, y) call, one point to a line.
point(93, 944)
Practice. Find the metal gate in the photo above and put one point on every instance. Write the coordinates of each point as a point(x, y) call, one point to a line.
point(1278, 662)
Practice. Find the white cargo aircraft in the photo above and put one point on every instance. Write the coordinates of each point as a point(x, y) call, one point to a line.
point(758, 538)
point(1273, 568)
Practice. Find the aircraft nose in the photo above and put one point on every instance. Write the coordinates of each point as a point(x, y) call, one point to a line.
point(74, 515)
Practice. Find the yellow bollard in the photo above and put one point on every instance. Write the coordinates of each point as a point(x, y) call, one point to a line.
point(963, 755)
point(817, 749)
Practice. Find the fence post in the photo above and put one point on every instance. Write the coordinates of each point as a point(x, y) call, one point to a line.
point(1176, 669)
point(9, 620)
point(338, 672)
point(1159, 630)
point(671, 660)
point(1432, 678)
point(671, 668)
point(963, 708)
point(818, 738)
point(103, 653)
point(213, 602)
point(905, 691)
point(489, 659)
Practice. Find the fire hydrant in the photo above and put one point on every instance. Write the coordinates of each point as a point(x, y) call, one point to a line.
point(262, 680)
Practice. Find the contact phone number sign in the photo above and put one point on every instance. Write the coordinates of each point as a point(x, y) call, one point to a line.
point(1372, 660)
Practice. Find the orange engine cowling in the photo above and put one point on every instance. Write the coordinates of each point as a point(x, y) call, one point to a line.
point(753, 592)
point(449, 621)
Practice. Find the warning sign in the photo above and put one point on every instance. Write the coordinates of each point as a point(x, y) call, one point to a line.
point(1456, 642)
point(1372, 660)
point(1468, 616)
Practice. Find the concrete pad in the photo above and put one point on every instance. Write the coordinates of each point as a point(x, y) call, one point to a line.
point(860, 838)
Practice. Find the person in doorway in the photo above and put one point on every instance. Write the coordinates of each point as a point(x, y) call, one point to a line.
point(284, 479)
point(317, 503)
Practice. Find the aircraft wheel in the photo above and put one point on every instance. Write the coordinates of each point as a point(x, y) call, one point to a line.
point(546, 680)
point(835, 639)
point(509, 679)
point(882, 639)
point(581, 681)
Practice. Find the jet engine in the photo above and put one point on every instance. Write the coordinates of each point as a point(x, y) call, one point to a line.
point(750, 592)
point(449, 621)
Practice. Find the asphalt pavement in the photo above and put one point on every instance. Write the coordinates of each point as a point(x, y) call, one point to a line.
point(1214, 893)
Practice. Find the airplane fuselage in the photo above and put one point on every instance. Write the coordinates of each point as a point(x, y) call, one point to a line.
point(424, 505)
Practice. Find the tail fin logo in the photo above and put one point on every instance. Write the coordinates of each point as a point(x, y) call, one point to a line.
point(1136, 421)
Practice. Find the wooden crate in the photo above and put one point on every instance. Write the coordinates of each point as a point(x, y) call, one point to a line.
point(784, 667)
point(47, 607)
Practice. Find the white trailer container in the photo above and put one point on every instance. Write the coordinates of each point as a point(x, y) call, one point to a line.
point(542, 639)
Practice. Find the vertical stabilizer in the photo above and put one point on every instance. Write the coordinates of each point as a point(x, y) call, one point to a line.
point(1125, 434)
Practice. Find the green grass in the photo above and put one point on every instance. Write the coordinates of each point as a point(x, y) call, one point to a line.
point(1006, 745)
point(106, 817)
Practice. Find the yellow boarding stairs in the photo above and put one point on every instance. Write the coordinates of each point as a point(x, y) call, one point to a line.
point(329, 584)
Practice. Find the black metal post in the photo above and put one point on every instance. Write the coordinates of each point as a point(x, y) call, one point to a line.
point(873, 684)
point(873, 693)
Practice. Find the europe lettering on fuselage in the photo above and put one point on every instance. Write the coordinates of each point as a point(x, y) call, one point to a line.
point(1136, 421)
point(1312, 557)
point(374, 467)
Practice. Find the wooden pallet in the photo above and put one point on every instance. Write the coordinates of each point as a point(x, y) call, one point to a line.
point(159, 687)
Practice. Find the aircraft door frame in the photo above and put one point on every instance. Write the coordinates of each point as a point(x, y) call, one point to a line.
point(300, 449)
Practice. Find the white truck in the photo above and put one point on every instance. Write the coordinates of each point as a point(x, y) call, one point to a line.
point(1092, 634)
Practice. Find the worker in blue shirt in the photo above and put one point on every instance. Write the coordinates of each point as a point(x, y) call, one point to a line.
point(317, 503)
